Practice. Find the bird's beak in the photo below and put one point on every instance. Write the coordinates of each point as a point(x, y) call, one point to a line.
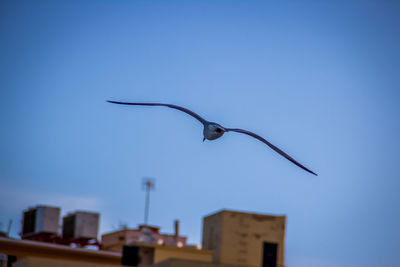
point(204, 139)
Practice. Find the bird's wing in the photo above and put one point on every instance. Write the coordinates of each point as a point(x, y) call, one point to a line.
point(271, 146)
point(191, 113)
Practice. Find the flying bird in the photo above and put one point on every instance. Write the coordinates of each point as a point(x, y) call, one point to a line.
point(214, 130)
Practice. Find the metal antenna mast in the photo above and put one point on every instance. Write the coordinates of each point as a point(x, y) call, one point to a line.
point(148, 184)
point(9, 227)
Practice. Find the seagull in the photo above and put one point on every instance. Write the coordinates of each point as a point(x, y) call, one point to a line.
point(213, 130)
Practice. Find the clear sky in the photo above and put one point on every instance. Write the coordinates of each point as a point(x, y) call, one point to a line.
point(319, 79)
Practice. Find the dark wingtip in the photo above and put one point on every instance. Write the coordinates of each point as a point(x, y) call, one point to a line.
point(310, 171)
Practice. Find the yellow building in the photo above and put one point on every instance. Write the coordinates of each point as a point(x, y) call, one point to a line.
point(149, 255)
point(173, 262)
point(40, 254)
point(114, 241)
point(146, 246)
point(235, 239)
point(230, 239)
point(242, 238)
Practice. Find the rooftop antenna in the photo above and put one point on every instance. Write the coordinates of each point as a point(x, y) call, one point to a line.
point(9, 227)
point(148, 184)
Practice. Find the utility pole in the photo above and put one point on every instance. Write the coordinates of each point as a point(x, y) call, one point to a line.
point(148, 184)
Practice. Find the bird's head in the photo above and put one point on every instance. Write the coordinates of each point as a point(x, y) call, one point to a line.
point(213, 131)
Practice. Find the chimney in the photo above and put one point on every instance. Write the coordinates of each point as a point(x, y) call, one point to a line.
point(176, 224)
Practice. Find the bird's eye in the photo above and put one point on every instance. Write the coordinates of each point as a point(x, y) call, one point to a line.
point(218, 130)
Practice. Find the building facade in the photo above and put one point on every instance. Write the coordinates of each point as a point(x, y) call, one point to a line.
point(229, 239)
point(114, 241)
point(247, 239)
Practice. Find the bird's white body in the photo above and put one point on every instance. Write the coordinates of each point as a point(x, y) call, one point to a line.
point(213, 131)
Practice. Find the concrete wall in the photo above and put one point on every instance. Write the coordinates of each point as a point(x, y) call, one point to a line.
point(116, 240)
point(242, 235)
point(40, 254)
point(29, 253)
point(212, 235)
point(163, 253)
point(190, 263)
point(47, 262)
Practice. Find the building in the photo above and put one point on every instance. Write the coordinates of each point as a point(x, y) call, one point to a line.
point(229, 239)
point(236, 239)
point(247, 239)
point(173, 262)
point(29, 253)
point(114, 241)
point(146, 246)
point(149, 255)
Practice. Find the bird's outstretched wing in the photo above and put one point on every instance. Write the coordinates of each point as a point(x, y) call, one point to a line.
point(271, 146)
point(191, 113)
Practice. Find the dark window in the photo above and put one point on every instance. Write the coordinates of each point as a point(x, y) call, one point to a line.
point(269, 254)
point(130, 256)
point(11, 260)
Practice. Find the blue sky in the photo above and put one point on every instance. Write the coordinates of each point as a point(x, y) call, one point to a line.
point(319, 79)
